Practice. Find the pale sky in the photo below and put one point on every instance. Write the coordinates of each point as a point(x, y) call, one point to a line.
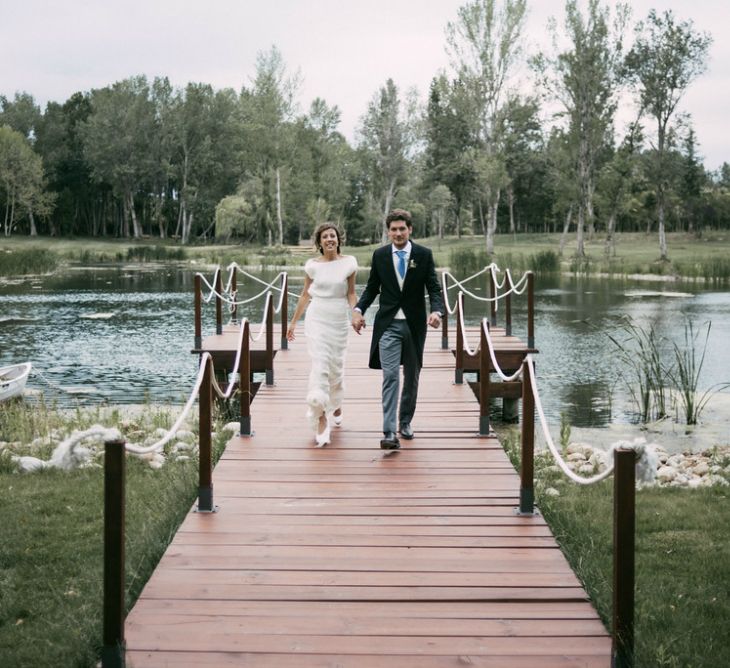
point(344, 49)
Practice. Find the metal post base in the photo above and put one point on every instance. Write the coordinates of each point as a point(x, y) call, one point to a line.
point(246, 426)
point(269, 376)
point(284, 343)
point(205, 500)
point(444, 343)
point(219, 329)
point(459, 377)
point(198, 342)
point(527, 503)
point(510, 410)
point(530, 341)
point(112, 656)
point(484, 425)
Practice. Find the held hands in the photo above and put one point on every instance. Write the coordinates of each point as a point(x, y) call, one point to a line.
point(358, 321)
point(434, 320)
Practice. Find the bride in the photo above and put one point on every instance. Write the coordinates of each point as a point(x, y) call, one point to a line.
point(328, 297)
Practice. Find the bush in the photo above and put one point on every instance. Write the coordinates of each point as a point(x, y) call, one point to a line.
point(28, 261)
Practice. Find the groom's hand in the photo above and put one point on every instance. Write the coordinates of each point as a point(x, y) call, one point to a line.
point(358, 321)
point(434, 320)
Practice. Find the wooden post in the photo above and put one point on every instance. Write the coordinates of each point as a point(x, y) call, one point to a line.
point(459, 367)
point(624, 525)
point(527, 467)
point(445, 329)
point(218, 304)
point(270, 339)
point(493, 303)
point(234, 295)
point(198, 313)
point(244, 381)
point(530, 309)
point(205, 450)
point(508, 314)
point(112, 654)
point(284, 311)
point(484, 380)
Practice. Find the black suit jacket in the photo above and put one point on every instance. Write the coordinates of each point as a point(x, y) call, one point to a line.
point(420, 278)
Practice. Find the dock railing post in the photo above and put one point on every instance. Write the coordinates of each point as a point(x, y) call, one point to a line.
point(205, 450)
point(270, 339)
point(624, 526)
point(218, 303)
point(527, 457)
point(234, 295)
point(198, 312)
point(244, 381)
point(459, 364)
point(484, 379)
point(530, 309)
point(112, 654)
point(445, 331)
point(284, 311)
point(493, 303)
point(508, 314)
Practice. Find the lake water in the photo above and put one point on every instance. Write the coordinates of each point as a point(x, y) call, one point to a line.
point(122, 334)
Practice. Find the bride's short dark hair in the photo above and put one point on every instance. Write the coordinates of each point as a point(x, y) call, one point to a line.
point(323, 228)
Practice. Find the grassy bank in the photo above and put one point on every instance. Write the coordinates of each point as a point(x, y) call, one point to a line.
point(51, 552)
point(682, 561)
point(706, 258)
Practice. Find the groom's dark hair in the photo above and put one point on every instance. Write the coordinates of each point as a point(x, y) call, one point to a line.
point(399, 214)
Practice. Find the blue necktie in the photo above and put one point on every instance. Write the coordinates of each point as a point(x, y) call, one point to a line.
point(401, 263)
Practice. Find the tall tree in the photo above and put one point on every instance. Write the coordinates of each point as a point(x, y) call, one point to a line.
point(22, 181)
point(387, 136)
point(21, 113)
point(116, 139)
point(484, 44)
point(585, 80)
point(666, 57)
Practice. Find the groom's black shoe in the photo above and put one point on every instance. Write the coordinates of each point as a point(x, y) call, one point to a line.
point(389, 441)
point(406, 432)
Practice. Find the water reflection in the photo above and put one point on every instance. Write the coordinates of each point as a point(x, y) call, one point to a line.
point(121, 334)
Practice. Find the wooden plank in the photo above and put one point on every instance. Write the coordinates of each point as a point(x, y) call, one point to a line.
point(348, 556)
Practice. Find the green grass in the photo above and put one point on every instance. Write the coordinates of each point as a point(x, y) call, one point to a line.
point(682, 562)
point(690, 257)
point(51, 553)
point(24, 261)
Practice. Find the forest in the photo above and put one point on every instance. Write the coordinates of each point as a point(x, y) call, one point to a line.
point(477, 155)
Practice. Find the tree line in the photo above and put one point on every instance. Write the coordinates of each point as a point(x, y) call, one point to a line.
point(143, 158)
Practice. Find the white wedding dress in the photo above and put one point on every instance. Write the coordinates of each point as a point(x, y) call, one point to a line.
point(326, 325)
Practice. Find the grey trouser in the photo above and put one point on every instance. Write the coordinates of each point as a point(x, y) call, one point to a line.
point(395, 345)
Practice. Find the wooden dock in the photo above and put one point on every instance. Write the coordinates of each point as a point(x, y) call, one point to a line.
point(348, 556)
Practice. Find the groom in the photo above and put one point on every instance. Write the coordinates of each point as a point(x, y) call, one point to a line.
point(401, 273)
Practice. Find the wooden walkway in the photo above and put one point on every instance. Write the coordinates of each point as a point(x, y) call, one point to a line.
point(347, 556)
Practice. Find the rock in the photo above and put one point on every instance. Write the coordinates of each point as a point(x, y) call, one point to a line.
point(551, 491)
point(182, 446)
point(232, 426)
point(586, 469)
point(694, 482)
point(29, 464)
point(184, 435)
point(160, 432)
point(576, 457)
point(154, 464)
point(182, 458)
point(701, 469)
point(666, 474)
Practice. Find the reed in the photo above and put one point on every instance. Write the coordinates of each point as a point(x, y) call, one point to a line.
point(685, 374)
point(25, 261)
point(647, 376)
point(155, 253)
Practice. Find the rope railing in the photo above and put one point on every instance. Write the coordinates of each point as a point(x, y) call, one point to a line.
point(228, 295)
point(498, 293)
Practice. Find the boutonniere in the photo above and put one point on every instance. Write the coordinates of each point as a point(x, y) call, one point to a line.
point(411, 264)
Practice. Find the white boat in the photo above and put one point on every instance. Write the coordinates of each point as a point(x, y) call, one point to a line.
point(13, 379)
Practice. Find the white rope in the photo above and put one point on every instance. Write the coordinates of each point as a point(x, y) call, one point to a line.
point(267, 306)
point(462, 326)
point(213, 291)
point(493, 357)
point(235, 265)
point(141, 450)
point(515, 288)
point(549, 440)
point(493, 270)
